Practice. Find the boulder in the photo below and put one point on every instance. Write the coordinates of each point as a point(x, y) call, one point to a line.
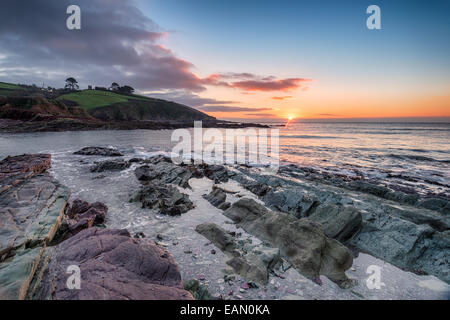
point(216, 197)
point(163, 169)
point(99, 151)
point(112, 265)
point(81, 215)
point(166, 199)
point(251, 263)
point(164, 172)
point(302, 241)
point(199, 291)
point(258, 188)
point(114, 165)
point(291, 200)
point(221, 239)
point(338, 222)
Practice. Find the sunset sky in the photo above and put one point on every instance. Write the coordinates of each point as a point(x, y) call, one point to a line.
point(242, 59)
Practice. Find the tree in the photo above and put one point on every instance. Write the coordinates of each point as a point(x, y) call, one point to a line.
point(114, 86)
point(72, 84)
point(126, 89)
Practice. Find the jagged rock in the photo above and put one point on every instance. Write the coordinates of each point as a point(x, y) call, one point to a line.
point(221, 239)
point(81, 215)
point(115, 165)
point(216, 197)
point(99, 151)
point(165, 198)
point(338, 222)
point(292, 200)
point(198, 291)
point(408, 236)
point(258, 188)
point(250, 267)
point(224, 206)
point(405, 244)
point(215, 172)
point(164, 172)
point(253, 264)
point(113, 266)
point(302, 241)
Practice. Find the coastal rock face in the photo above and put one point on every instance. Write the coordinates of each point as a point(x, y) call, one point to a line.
point(302, 241)
point(113, 265)
point(166, 199)
point(32, 204)
point(99, 151)
point(33, 218)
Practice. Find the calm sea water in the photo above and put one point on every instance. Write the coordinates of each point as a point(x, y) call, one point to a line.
point(415, 155)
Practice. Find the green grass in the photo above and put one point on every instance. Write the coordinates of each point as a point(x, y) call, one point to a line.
point(4, 85)
point(89, 99)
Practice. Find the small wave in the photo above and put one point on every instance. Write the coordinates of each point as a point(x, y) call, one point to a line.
point(416, 157)
point(311, 137)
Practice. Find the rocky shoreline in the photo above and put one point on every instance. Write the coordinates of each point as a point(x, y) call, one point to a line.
point(41, 236)
point(73, 124)
point(261, 227)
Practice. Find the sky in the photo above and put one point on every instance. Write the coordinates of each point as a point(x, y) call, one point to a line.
point(242, 59)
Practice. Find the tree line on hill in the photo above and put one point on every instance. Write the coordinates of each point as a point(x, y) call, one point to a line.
point(72, 84)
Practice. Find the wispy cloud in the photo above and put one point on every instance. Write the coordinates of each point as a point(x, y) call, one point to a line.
point(282, 98)
point(249, 82)
point(232, 109)
point(262, 115)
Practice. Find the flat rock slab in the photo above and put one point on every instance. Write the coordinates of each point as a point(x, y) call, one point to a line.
point(14, 170)
point(31, 208)
point(302, 241)
point(113, 265)
point(31, 213)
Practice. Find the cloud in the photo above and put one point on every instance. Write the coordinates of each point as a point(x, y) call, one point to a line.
point(187, 98)
point(232, 109)
point(116, 43)
point(271, 85)
point(250, 82)
point(265, 115)
point(282, 98)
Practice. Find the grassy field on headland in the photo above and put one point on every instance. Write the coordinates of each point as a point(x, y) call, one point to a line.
point(90, 99)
